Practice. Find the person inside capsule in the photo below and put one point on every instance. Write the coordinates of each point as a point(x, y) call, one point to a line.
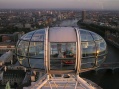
point(65, 50)
point(60, 53)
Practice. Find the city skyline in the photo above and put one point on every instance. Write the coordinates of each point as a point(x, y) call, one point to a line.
point(60, 4)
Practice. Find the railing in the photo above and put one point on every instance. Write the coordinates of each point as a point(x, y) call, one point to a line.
point(73, 82)
point(112, 66)
point(38, 84)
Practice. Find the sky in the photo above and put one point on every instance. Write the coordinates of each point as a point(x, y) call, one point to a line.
point(70, 4)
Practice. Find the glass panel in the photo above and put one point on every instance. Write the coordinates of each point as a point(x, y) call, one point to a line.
point(23, 36)
point(87, 63)
point(101, 47)
point(28, 36)
point(86, 60)
point(38, 35)
point(96, 36)
point(37, 63)
point(63, 50)
point(23, 61)
point(36, 49)
point(88, 49)
point(62, 64)
point(85, 36)
point(22, 48)
point(100, 60)
point(17, 47)
point(62, 56)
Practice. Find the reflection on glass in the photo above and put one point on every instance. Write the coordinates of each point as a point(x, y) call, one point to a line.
point(22, 48)
point(87, 60)
point(23, 61)
point(93, 51)
point(101, 47)
point(88, 49)
point(38, 35)
point(87, 63)
point(95, 36)
point(31, 47)
point(27, 36)
point(100, 60)
point(37, 63)
point(36, 49)
point(85, 36)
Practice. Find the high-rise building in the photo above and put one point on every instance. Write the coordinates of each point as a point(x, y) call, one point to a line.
point(83, 15)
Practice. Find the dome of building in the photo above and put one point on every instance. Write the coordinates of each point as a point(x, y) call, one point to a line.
point(64, 43)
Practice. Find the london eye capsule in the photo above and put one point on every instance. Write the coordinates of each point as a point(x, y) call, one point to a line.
point(64, 49)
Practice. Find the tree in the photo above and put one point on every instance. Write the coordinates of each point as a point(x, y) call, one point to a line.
point(7, 85)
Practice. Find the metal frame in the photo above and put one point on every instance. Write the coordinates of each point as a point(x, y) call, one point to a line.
point(49, 80)
point(46, 51)
point(78, 66)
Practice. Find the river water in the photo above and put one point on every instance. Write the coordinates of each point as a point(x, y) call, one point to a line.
point(106, 79)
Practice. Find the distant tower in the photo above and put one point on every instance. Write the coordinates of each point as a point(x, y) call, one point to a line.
point(83, 15)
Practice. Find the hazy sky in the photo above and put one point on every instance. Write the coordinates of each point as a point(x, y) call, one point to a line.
point(81, 4)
